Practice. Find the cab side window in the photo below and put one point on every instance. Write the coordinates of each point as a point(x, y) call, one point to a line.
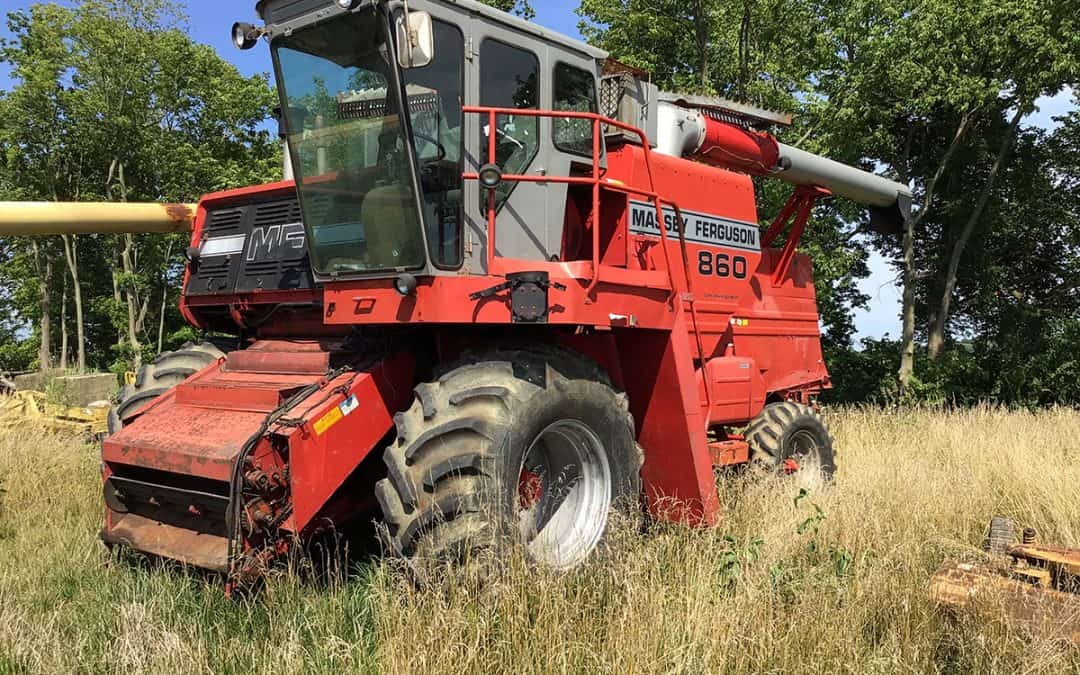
point(575, 90)
point(509, 78)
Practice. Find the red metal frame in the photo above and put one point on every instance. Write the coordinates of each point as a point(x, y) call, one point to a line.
point(696, 350)
point(796, 212)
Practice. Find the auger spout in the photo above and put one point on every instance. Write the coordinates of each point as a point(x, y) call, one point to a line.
point(690, 133)
point(50, 218)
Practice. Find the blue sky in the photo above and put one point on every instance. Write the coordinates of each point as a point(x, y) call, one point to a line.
point(210, 22)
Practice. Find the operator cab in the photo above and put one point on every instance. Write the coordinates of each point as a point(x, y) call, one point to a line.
point(381, 192)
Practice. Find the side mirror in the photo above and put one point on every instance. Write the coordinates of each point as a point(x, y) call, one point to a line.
point(415, 39)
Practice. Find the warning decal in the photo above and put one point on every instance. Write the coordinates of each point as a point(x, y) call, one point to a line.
point(328, 420)
point(336, 414)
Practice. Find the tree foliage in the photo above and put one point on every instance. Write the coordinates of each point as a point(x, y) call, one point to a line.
point(114, 102)
point(520, 7)
point(933, 94)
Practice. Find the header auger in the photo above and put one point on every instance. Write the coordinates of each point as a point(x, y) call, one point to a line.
point(511, 288)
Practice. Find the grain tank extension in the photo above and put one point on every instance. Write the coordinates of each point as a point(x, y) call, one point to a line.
point(511, 288)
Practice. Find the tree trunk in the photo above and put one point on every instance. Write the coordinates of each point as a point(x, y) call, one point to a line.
point(164, 297)
point(131, 301)
point(71, 254)
point(936, 339)
point(701, 34)
point(118, 297)
point(161, 318)
point(44, 272)
point(744, 51)
point(63, 327)
point(907, 339)
point(907, 344)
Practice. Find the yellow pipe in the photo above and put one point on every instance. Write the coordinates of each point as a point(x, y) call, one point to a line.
point(35, 219)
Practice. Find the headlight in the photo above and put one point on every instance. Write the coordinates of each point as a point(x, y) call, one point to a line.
point(405, 285)
point(490, 176)
point(244, 35)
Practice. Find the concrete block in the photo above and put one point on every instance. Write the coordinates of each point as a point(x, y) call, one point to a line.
point(78, 390)
point(90, 388)
point(33, 381)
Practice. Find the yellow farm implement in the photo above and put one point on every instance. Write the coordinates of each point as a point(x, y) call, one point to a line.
point(32, 407)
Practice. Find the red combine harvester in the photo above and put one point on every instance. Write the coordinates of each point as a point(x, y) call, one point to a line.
point(512, 287)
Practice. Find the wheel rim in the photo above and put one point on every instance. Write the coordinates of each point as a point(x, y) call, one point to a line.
point(803, 459)
point(564, 494)
point(803, 444)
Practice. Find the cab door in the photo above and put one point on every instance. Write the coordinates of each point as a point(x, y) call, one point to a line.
point(514, 69)
point(436, 94)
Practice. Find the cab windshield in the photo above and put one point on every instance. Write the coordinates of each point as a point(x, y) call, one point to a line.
point(348, 144)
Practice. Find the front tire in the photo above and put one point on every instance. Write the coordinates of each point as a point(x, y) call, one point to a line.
point(533, 447)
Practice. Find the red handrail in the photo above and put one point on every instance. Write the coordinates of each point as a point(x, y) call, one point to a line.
point(595, 180)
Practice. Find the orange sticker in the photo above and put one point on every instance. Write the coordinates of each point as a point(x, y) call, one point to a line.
point(328, 420)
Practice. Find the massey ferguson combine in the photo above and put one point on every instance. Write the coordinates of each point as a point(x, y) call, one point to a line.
point(512, 287)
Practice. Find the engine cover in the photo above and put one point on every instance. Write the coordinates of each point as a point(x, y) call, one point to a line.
point(248, 244)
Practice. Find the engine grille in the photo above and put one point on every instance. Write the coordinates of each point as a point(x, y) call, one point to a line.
point(253, 247)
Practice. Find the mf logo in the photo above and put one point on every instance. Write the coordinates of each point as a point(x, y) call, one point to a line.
point(271, 241)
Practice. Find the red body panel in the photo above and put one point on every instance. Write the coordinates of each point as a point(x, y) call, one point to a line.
point(777, 326)
point(359, 410)
point(677, 476)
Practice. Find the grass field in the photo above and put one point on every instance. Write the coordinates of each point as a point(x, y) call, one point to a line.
point(834, 582)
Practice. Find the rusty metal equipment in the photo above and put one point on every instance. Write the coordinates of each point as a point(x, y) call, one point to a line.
point(508, 291)
point(1031, 585)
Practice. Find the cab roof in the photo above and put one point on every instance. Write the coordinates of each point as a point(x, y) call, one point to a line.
point(288, 11)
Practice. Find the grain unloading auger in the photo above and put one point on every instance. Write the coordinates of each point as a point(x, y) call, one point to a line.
point(512, 287)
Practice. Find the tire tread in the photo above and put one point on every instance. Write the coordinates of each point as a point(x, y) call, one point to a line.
point(449, 480)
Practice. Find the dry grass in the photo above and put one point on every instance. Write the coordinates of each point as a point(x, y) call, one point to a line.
point(833, 583)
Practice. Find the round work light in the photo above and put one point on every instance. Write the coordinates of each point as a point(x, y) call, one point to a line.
point(244, 35)
point(490, 176)
point(405, 285)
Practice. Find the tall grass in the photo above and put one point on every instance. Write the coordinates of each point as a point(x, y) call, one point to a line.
point(834, 581)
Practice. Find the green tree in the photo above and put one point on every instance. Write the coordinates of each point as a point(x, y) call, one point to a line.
point(520, 7)
point(917, 86)
point(113, 101)
point(746, 50)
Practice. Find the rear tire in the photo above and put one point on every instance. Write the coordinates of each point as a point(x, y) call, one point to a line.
point(791, 435)
point(533, 447)
point(154, 379)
